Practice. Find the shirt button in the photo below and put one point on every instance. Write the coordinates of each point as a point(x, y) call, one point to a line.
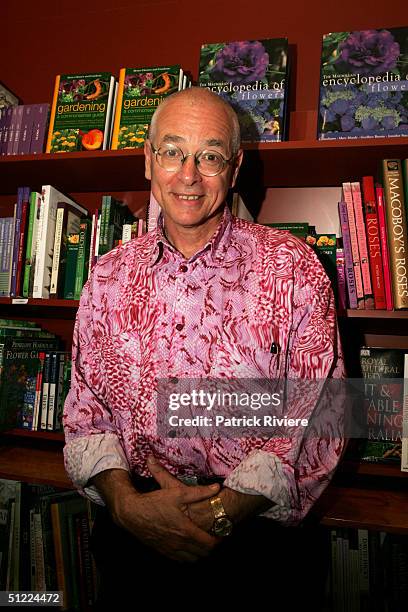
point(174, 380)
point(179, 326)
point(183, 268)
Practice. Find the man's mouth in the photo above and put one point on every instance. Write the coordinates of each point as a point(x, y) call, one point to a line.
point(182, 196)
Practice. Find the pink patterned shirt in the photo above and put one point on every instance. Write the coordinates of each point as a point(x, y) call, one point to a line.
point(148, 313)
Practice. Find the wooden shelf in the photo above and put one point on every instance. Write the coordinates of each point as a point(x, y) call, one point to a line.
point(34, 435)
point(51, 303)
point(376, 314)
point(379, 509)
point(296, 163)
point(43, 465)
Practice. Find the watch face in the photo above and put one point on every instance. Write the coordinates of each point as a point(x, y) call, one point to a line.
point(222, 526)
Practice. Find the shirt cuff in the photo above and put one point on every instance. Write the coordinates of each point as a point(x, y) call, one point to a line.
point(262, 473)
point(86, 456)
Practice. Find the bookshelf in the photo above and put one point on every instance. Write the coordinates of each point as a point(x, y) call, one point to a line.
point(372, 496)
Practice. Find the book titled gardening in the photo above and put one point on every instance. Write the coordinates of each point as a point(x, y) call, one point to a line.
point(364, 84)
point(252, 76)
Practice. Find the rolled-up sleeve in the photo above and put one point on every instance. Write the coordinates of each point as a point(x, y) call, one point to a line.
point(91, 441)
point(294, 471)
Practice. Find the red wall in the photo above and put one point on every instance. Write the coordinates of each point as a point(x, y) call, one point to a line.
point(43, 38)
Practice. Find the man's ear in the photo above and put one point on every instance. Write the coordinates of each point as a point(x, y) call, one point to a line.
point(148, 160)
point(237, 165)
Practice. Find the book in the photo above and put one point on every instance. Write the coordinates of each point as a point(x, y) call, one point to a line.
point(382, 228)
point(362, 245)
point(383, 400)
point(397, 230)
point(39, 130)
point(84, 255)
point(373, 242)
point(363, 89)
point(252, 75)
point(297, 229)
point(50, 198)
point(404, 442)
point(81, 112)
point(348, 256)
point(71, 265)
point(68, 220)
point(31, 244)
point(348, 198)
point(140, 92)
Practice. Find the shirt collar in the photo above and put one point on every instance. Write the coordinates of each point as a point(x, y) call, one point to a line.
point(217, 245)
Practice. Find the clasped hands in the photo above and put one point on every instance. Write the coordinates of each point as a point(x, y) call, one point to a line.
point(174, 520)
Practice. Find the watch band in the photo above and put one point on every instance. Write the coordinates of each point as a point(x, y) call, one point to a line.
point(217, 507)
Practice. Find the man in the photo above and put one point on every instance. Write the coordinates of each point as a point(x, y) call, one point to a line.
point(204, 295)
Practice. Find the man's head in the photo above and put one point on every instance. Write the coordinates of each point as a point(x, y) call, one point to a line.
point(192, 120)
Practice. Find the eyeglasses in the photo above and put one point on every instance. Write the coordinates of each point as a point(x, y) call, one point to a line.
point(208, 163)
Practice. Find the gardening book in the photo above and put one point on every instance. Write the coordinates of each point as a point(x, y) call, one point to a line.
point(252, 75)
point(364, 84)
point(383, 403)
point(81, 112)
point(140, 92)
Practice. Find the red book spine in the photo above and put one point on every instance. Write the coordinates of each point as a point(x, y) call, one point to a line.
point(373, 243)
point(362, 246)
point(382, 227)
point(21, 246)
point(348, 198)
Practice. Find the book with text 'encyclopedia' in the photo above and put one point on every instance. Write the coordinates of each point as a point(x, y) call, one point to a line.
point(252, 75)
point(81, 113)
point(364, 84)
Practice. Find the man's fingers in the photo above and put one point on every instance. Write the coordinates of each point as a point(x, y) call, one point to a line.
point(161, 475)
point(188, 495)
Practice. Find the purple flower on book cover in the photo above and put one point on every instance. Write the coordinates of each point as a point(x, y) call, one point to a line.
point(241, 62)
point(369, 51)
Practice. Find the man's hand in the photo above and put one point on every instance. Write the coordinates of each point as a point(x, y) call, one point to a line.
point(158, 519)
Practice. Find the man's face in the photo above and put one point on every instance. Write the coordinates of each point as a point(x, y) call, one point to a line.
point(192, 127)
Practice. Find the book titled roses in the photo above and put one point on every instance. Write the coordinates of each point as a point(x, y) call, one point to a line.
point(252, 75)
point(364, 84)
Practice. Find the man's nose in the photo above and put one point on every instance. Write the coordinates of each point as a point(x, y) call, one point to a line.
point(189, 172)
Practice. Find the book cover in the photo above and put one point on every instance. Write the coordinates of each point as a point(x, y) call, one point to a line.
point(324, 245)
point(81, 112)
point(5, 261)
point(70, 268)
point(404, 444)
point(140, 92)
point(363, 84)
point(35, 201)
point(397, 230)
point(252, 75)
point(383, 402)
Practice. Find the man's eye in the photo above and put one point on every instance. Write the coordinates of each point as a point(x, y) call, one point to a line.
point(210, 158)
point(171, 153)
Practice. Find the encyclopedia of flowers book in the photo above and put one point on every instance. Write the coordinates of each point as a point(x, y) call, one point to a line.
point(364, 84)
point(252, 75)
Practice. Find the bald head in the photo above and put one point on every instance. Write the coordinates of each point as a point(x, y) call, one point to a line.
point(196, 97)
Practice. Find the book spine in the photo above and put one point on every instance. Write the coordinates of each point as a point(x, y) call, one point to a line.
point(341, 280)
point(348, 256)
point(6, 129)
point(81, 270)
point(38, 389)
point(31, 240)
point(11, 129)
point(52, 390)
point(56, 255)
point(53, 113)
point(109, 112)
point(118, 110)
point(362, 246)
point(348, 198)
point(397, 230)
point(16, 241)
point(404, 439)
point(70, 270)
point(373, 240)
point(382, 228)
point(17, 129)
point(26, 130)
point(45, 390)
point(22, 240)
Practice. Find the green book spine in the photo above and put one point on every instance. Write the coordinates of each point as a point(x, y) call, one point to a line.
point(70, 267)
point(103, 223)
point(106, 221)
point(83, 257)
point(29, 247)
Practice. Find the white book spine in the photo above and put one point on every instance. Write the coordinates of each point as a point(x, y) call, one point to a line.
point(57, 250)
point(126, 233)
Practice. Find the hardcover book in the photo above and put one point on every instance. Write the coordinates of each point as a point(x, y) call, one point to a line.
point(383, 403)
point(252, 75)
point(140, 92)
point(81, 112)
point(363, 87)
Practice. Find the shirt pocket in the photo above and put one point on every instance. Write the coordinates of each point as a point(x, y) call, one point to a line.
point(235, 360)
point(121, 359)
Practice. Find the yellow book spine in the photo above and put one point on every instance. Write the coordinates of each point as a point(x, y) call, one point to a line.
point(118, 110)
point(53, 111)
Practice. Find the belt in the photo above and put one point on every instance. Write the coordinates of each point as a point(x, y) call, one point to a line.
point(146, 485)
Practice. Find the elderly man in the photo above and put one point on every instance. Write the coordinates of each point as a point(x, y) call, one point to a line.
point(203, 295)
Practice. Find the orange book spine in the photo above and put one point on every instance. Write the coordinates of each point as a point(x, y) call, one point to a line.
point(118, 110)
point(53, 112)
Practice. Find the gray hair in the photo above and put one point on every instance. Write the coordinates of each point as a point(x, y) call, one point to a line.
point(199, 95)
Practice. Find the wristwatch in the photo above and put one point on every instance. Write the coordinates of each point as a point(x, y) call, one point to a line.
point(222, 525)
